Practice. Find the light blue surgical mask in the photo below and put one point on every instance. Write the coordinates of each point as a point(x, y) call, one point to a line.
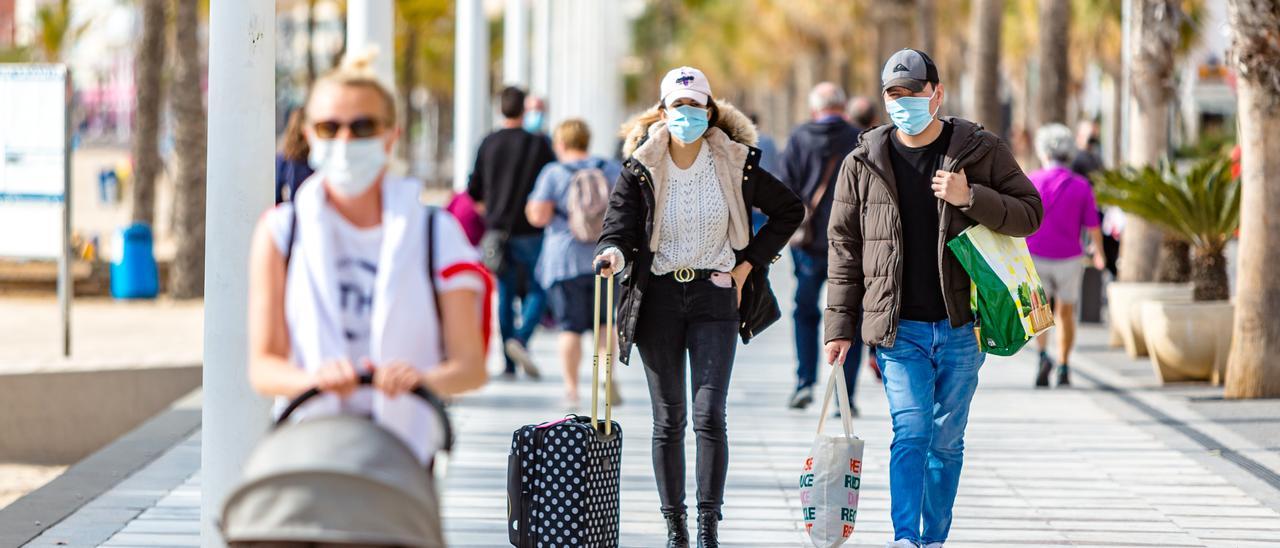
point(687, 123)
point(911, 114)
point(532, 121)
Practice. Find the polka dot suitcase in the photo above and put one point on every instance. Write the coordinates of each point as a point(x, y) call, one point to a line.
point(563, 476)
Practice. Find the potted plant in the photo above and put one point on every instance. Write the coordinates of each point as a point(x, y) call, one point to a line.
point(1201, 204)
point(1124, 299)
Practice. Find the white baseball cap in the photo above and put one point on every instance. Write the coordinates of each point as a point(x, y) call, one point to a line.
point(685, 82)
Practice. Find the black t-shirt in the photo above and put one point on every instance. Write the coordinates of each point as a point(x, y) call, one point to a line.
point(914, 168)
point(507, 164)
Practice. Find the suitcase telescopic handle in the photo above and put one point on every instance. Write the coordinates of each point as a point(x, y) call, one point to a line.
point(366, 379)
point(610, 338)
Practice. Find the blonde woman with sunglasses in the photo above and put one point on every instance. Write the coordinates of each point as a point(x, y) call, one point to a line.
point(355, 273)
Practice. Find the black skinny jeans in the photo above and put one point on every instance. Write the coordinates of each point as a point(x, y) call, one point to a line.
point(699, 319)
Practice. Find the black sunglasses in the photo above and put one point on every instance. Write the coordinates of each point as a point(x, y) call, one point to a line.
point(360, 128)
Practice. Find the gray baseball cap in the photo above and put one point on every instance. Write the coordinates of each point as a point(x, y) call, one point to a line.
point(908, 68)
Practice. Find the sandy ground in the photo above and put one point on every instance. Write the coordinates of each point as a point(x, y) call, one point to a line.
point(104, 333)
point(17, 480)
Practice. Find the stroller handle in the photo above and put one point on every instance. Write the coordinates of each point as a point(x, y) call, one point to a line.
point(366, 379)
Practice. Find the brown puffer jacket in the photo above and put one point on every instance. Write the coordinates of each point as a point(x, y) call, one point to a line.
point(865, 253)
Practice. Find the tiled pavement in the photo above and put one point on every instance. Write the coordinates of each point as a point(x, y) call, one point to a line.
point(1043, 468)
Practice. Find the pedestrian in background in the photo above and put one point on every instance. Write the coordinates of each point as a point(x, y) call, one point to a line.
point(1087, 161)
point(535, 115)
point(863, 113)
point(904, 192)
point(695, 278)
point(565, 268)
point(809, 167)
point(292, 164)
point(507, 164)
point(1069, 212)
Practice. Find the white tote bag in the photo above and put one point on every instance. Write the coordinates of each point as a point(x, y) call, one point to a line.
point(832, 474)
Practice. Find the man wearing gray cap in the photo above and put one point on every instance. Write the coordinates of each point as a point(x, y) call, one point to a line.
point(904, 191)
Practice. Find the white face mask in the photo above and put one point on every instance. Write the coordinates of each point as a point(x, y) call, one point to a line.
point(350, 167)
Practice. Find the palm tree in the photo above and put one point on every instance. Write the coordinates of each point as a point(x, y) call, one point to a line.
point(150, 95)
point(926, 27)
point(1156, 36)
point(54, 24)
point(984, 63)
point(187, 276)
point(1252, 371)
point(1055, 71)
point(311, 42)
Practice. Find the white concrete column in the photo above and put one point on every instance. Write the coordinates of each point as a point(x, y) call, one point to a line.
point(540, 82)
point(586, 80)
point(373, 23)
point(242, 64)
point(515, 44)
point(470, 87)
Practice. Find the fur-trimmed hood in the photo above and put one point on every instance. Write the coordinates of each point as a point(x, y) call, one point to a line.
point(732, 122)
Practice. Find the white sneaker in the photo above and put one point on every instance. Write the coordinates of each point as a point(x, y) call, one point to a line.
point(901, 543)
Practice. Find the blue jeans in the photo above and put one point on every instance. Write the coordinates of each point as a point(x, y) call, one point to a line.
point(811, 273)
point(930, 375)
point(516, 281)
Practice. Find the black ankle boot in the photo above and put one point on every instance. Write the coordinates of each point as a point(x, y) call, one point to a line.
point(708, 530)
point(1064, 375)
point(677, 530)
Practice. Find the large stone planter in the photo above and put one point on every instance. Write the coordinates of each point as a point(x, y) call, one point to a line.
point(1123, 300)
point(1188, 341)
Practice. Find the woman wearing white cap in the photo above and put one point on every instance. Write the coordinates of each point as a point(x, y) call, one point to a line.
point(694, 277)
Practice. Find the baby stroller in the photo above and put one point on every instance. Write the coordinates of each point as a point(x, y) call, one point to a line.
point(336, 481)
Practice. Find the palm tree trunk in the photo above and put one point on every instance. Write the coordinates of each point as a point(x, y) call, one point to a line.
point(311, 42)
point(984, 63)
point(408, 80)
point(1252, 369)
point(1209, 275)
point(1156, 36)
point(926, 26)
point(1174, 261)
point(146, 131)
point(187, 275)
point(1055, 72)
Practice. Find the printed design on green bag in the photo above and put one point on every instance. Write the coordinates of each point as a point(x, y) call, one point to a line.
point(1006, 295)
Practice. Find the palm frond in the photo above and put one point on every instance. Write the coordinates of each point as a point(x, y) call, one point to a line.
point(1200, 204)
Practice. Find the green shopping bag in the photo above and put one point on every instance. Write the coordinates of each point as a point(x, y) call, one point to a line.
point(1006, 295)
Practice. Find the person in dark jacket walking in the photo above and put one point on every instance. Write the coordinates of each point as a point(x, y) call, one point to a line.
point(507, 165)
point(693, 275)
point(904, 192)
point(809, 167)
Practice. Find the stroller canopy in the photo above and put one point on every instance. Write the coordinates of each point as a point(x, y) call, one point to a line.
point(337, 479)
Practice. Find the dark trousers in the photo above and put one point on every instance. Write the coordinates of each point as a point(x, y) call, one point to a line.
point(516, 281)
point(700, 320)
point(811, 273)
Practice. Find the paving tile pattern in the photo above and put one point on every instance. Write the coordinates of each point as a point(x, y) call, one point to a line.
point(1043, 468)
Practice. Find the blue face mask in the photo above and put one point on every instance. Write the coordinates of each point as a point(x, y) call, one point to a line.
point(910, 114)
point(532, 121)
point(687, 123)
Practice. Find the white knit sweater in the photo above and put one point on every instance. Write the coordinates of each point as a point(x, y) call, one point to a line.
point(695, 220)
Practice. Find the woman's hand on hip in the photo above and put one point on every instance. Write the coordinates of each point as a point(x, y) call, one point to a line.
point(396, 378)
point(740, 274)
point(337, 377)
